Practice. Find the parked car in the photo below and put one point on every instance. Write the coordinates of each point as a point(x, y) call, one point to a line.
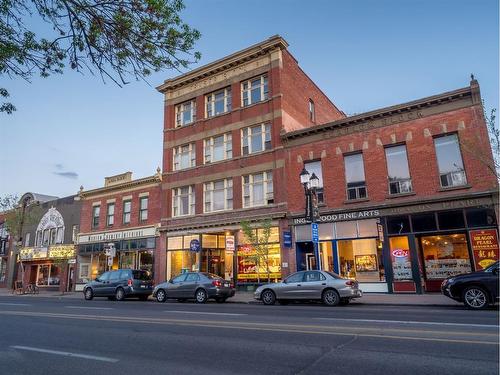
point(199, 286)
point(325, 286)
point(120, 284)
point(476, 290)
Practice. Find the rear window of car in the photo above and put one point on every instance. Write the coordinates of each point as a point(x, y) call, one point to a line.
point(141, 275)
point(211, 275)
point(334, 275)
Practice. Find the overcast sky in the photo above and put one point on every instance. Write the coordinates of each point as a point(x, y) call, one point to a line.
point(73, 130)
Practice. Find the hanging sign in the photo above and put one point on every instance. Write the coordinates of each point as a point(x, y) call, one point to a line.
point(230, 244)
point(484, 247)
point(287, 239)
point(195, 246)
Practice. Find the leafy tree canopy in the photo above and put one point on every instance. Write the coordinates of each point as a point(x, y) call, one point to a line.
point(117, 39)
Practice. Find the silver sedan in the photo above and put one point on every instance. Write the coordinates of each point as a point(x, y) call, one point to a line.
point(327, 287)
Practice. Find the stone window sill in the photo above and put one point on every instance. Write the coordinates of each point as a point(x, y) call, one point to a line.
point(391, 196)
point(351, 201)
point(451, 188)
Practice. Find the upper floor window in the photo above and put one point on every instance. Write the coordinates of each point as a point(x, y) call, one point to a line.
point(127, 208)
point(315, 167)
point(183, 201)
point(397, 170)
point(143, 208)
point(218, 102)
point(218, 148)
point(185, 113)
point(96, 212)
point(27, 239)
point(258, 189)
point(254, 90)
point(110, 216)
point(256, 138)
point(355, 177)
point(450, 163)
point(184, 156)
point(312, 111)
point(218, 195)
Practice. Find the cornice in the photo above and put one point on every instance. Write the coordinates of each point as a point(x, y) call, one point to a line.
point(125, 186)
point(225, 63)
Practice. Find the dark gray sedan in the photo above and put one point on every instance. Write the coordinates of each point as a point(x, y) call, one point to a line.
point(310, 285)
point(199, 286)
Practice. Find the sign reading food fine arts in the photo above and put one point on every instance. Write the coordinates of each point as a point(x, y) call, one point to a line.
point(484, 247)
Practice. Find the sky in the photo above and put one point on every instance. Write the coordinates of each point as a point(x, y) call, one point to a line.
point(72, 130)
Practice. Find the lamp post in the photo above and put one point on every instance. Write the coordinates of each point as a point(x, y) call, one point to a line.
point(311, 183)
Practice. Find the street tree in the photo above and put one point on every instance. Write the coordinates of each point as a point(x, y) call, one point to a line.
point(257, 240)
point(117, 39)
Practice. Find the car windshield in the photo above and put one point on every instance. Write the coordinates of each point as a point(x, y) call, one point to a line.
point(333, 274)
point(491, 268)
point(141, 275)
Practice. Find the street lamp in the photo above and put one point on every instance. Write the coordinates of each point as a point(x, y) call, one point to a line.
point(311, 183)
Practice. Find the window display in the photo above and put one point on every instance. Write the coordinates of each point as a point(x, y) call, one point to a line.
point(252, 266)
point(400, 258)
point(445, 256)
point(361, 259)
point(48, 275)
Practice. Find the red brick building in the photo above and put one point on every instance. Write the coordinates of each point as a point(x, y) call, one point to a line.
point(5, 242)
point(125, 213)
point(223, 159)
point(420, 169)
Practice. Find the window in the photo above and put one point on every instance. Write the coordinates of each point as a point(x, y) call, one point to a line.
point(27, 240)
point(397, 170)
point(218, 195)
point(451, 167)
point(445, 256)
point(423, 222)
point(312, 276)
point(218, 148)
point(179, 279)
point(192, 277)
point(398, 224)
point(295, 278)
point(355, 177)
point(312, 112)
point(143, 208)
point(74, 233)
point(218, 102)
point(254, 90)
point(184, 156)
point(183, 201)
point(110, 217)
point(96, 212)
point(258, 189)
point(185, 113)
point(451, 219)
point(315, 167)
point(127, 207)
point(256, 138)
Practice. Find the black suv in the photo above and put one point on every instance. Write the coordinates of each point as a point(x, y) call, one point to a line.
point(120, 284)
point(476, 290)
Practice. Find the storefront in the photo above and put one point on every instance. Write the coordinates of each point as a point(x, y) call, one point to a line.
point(135, 249)
point(48, 267)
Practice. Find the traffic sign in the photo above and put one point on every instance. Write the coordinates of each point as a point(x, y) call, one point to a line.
point(315, 232)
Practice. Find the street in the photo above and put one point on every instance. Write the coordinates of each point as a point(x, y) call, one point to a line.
point(73, 336)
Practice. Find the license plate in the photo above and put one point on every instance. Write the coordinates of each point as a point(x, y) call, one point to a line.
point(143, 286)
point(226, 285)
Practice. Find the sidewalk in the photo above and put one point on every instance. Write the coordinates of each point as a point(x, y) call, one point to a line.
point(247, 297)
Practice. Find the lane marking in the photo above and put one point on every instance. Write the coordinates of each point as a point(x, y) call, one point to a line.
point(88, 307)
point(14, 304)
point(65, 354)
point(202, 312)
point(288, 328)
point(410, 322)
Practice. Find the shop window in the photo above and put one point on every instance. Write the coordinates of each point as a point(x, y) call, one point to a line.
point(400, 258)
point(253, 267)
point(174, 243)
point(48, 275)
point(398, 224)
point(151, 243)
point(209, 241)
point(326, 253)
point(182, 261)
point(367, 228)
point(481, 217)
point(423, 222)
point(355, 177)
point(326, 231)
point(361, 259)
point(303, 233)
point(146, 259)
point(315, 167)
point(450, 163)
point(346, 229)
point(445, 256)
point(188, 239)
point(451, 220)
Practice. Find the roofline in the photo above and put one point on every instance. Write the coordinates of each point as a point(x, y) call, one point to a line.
point(273, 42)
point(129, 184)
point(378, 113)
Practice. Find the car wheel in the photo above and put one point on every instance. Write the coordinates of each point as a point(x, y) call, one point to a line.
point(475, 297)
point(330, 297)
point(161, 296)
point(220, 300)
point(268, 297)
point(89, 294)
point(344, 301)
point(201, 296)
point(283, 302)
point(120, 294)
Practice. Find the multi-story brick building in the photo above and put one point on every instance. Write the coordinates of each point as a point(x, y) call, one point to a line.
point(5, 243)
point(421, 170)
point(223, 159)
point(126, 213)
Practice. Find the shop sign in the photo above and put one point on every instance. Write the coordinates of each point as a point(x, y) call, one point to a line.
point(118, 235)
point(341, 216)
point(62, 252)
point(380, 231)
point(230, 244)
point(287, 239)
point(400, 253)
point(195, 246)
point(484, 247)
point(32, 253)
point(315, 232)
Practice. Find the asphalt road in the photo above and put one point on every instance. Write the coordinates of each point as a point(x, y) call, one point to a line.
point(72, 336)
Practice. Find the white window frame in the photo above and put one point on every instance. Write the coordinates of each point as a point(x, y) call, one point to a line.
point(177, 156)
point(179, 112)
point(126, 214)
point(208, 191)
point(246, 138)
point(109, 215)
point(143, 211)
point(210, 102)
point(209, 146)
point(264, 90)
point(268, 189)
point(177, 200)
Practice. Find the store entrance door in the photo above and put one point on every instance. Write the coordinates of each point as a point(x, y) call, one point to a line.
point(213, 261)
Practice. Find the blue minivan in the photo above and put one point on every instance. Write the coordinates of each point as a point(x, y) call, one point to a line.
point(120, 284)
